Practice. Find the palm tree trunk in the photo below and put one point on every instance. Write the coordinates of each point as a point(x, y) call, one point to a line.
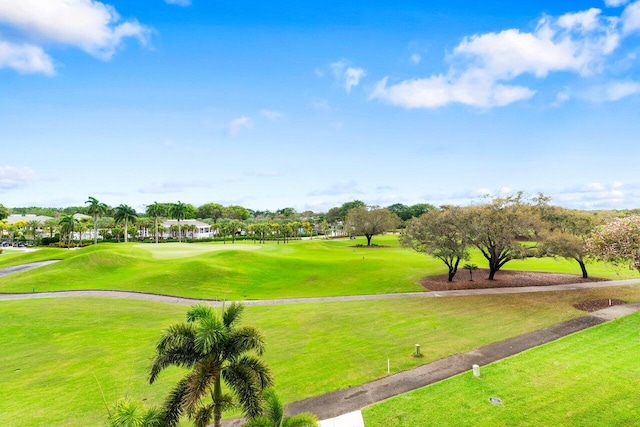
point(126, 231)
point(95, 230)
point(156, 228)
point(217, 401)
point(179, 232)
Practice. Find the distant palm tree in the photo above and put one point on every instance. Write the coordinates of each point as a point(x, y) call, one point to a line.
point(471, 268)
point(67, 225)
point(156, 210)
point(34, 225)
point(178, 211)
point(273, 415)
point(95, 209)
point(215, 349)
point(125, 214)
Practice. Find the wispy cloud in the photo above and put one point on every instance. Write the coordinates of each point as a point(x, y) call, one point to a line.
point(347, 76)
point(272, 114)
point(339, 188)
point(183, 3)
point(12, 178)
point(91, 26)
point(174, 187)
point(484, 66)
point(235, 126)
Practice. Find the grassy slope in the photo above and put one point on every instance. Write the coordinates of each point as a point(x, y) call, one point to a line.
point(299, 269)
point(59, 345)
point(589, 378)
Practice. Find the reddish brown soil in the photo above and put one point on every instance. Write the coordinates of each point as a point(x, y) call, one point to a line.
point(597, 304)
point(503, 279)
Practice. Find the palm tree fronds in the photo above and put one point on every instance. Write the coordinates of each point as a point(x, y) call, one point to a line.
point(301, 420)
point(248, 377)
point(232, 314)
point(272, 406)
point(246, 338)
point(203, 416)
point(172, 407)
point(199, 311)
point(261, 421)
point(197, 385)
point(210, 335)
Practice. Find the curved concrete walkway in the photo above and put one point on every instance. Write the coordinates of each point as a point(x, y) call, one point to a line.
point(331, 406)
point(189, 301)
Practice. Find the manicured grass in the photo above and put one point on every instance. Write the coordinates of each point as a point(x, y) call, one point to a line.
point(587, 379)
point(251, 271)
point(58, 345)
point(185, 250)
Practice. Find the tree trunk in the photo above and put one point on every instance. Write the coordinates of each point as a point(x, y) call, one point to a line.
point(179, 232)
point(217, 401)
point(95, 230)
point(369, 240)
point(126, 231)
point(492, 272)
point(156, 228)
point(583, 268)
point(451, 274)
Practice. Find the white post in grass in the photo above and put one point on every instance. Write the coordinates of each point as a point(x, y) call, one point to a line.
point(476, 371)
point(388, 366)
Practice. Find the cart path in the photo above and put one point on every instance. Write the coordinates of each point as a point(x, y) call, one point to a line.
point(25, 267)
point(353, 399)
point(281, 301)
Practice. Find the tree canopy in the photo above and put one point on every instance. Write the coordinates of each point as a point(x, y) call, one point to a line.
point(442, 234)
point(369, 222)
point(617, 241)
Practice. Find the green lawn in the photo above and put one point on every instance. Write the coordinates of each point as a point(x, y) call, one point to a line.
point(53, 350)
point(587, 379)
point(250, 271)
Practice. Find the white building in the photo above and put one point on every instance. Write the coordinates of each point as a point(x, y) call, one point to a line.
point(201, 231)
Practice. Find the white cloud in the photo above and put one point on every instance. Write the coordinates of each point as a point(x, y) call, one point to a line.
point(631, 18)
point(12, 177)
point(348, 76)
point(339, 188)
point(182, 3)
point(238, 124)
point(619, 90)
point(415, 58)
point(482, 64)
point(612, 91)
point(89, 25)
point(272, 114)
point(25, 58)
point(615, 3)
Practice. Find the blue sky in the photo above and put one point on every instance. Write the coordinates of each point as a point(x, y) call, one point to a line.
point(311, 104)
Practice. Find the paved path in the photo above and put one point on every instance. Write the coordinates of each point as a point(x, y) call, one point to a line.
point(340, 402)
point(190, 301)
point(24, 267)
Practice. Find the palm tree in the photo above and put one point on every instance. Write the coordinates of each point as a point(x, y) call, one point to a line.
point(67, 224)
point(126, 214)
point(156, 210)
point(273, 415)
point(178, 211)
point(471, 268)
point(215, 349)
point(95, 209)
point(34, 225)
point(128, 413)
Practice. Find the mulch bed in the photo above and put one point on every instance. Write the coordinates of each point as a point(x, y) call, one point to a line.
point(503, 279)
point(597, 304)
